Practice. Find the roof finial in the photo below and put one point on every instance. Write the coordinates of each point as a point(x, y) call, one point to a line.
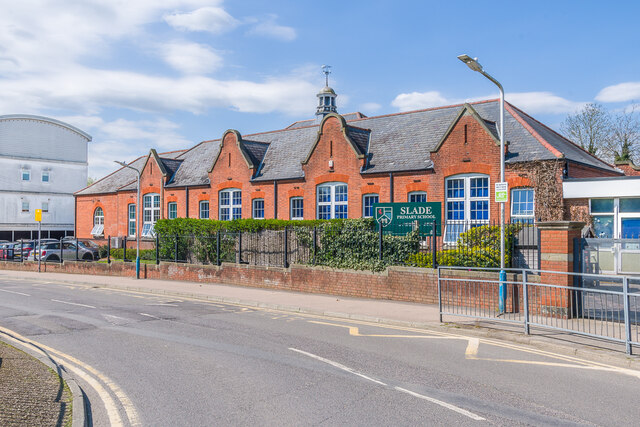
point(326, 70)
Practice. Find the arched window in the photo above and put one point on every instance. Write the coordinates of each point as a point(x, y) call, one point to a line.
point(230, 204)
point(150, 214)
point(332, 200)
point(467, 204)
point(98, 222)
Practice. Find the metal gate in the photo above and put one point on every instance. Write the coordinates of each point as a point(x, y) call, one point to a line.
point(608, 256)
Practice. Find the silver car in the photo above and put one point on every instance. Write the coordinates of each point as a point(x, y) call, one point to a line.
point(50, 252)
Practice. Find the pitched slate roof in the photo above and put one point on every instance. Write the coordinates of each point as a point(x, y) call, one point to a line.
point(395, 142)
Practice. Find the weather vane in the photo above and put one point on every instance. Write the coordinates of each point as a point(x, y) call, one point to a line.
point(326, 70)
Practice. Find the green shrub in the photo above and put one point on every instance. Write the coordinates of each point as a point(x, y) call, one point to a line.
point(146, 254)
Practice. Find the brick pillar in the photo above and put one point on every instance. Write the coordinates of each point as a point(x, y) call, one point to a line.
point(556, 254)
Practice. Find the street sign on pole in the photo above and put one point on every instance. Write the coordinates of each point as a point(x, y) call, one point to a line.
point(39, 220)
point(502, 192)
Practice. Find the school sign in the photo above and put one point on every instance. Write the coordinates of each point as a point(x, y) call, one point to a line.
point(400, 218)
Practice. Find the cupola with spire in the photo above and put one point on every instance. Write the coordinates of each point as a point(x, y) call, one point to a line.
point(326, 96)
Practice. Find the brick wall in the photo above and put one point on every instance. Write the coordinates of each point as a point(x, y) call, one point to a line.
point(467, 149)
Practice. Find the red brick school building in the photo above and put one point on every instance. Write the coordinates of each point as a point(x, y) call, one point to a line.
point(338, 166)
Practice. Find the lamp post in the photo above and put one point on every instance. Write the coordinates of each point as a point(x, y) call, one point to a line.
point(475, 66)
point(138, 174)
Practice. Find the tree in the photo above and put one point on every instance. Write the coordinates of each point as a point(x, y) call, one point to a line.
point(591, 128)
point(90, 181)
point(625, 136)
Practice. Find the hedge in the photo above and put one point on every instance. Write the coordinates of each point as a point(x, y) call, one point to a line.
point(146, 254)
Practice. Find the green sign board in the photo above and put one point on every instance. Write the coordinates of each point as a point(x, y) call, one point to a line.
point(402, 218)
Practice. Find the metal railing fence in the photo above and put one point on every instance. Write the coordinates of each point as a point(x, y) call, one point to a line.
point(344, 245)
point(609, 311)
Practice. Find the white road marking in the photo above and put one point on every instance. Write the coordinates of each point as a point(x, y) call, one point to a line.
point(14, 292)
point(115, 317)
point(443, 404)
point(420, 396)
point(337, 365)
point(150, 315)
point(72, 303)
point(472, 347)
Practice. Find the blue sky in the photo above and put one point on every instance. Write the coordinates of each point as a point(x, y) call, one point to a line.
point(141, 74)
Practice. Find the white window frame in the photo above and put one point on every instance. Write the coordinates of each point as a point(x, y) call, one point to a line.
point(45, 207)
point(230, 206)
point(296, 209)
point(25, 203)
point(98, 222)
point(415, 194)
point(255, 211)
point(454, 227)
point(169, 206)
point(331, 202)
point(365, 197)
point(47, 174)
point(150, 213)
point(131, 220)
point(26, 171)
point(528, 218)
point(201, 209)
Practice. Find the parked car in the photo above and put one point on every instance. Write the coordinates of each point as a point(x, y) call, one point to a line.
point(7, 251)
point(28, 246)
point(85, 244)
point(50, 252)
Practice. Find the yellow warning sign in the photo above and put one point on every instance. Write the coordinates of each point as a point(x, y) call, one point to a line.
point(38, 215)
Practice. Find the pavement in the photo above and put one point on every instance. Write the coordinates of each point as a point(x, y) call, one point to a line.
point(378, 311)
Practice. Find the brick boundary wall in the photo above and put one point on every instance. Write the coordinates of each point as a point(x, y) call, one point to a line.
point(408, 284)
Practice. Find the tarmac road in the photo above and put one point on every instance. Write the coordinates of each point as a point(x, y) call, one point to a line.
point(147, 359)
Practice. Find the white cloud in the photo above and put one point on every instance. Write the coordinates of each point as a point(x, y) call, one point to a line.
point(543, 103)
point(123, 139)
point(214, 20)
point(622, 92)
point(191, 58)
point(420, 100)
point(269, 28)
point(89, 90)
point(531, 102)
point(370, 107)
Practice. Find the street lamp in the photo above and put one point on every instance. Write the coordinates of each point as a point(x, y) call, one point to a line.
point(475, 66)
point(138, 173)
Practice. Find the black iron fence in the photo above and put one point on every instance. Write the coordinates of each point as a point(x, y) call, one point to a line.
point(358, 246)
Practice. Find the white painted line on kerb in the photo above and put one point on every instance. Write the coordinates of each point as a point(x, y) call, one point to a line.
point(14, 292)
point(72, 303)
point(443, 404)
point(337, 365)
point(420, 396)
